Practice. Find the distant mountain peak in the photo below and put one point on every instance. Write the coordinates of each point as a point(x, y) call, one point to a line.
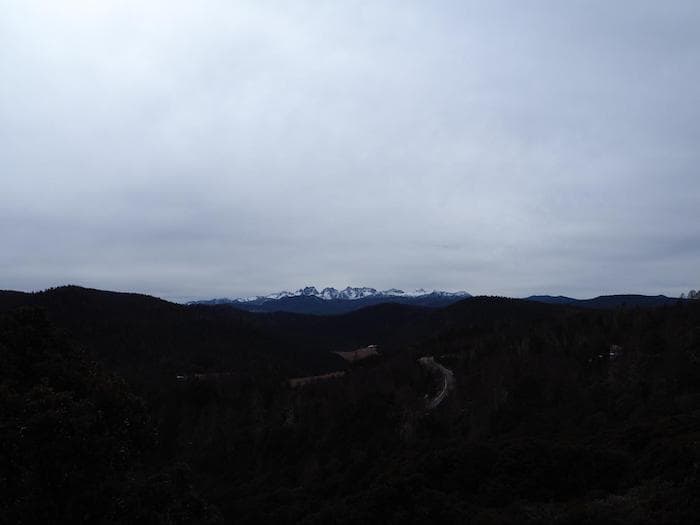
point(349, 293)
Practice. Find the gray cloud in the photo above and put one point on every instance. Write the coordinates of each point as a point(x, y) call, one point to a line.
point(197, 149)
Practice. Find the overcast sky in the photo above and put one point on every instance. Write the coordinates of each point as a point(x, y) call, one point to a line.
point(223, 148)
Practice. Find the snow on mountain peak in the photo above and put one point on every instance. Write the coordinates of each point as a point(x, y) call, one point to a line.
point(350, 294)
point(357, 293)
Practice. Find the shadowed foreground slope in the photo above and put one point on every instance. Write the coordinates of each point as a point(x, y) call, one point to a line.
point(558, 415)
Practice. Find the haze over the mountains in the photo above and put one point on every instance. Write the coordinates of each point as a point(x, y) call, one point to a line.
point(198, 149)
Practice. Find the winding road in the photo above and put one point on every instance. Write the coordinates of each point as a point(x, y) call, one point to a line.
point(448, 380)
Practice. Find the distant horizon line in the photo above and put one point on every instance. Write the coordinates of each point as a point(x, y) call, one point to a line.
point(179, 299)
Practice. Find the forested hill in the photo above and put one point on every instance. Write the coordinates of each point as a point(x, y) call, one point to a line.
point(609, 301)
point(76, 444)
point(140, 335)
point(143, 335)
point(555, 414)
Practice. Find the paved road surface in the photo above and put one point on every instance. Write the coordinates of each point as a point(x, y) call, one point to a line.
point(448, 380)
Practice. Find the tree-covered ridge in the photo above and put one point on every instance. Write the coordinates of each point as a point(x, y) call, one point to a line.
point(557, 415)
point(75, 441)
point(583, 417)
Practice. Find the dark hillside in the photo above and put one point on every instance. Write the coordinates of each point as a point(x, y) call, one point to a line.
point(484, 308)
point(556, 414)
point(76, 445)
point(143, 336)
point(606, 302)
point(628, 301)
point(389, 325)
point(551, 299)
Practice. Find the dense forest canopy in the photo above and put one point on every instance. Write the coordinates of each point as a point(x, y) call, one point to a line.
point(125, 408)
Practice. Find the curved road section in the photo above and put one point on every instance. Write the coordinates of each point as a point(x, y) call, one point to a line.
point(448, 380)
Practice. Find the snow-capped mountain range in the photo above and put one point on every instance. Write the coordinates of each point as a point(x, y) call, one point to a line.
point(331, 301)
point(347, 294)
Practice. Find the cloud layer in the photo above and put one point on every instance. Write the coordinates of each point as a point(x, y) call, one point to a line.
point(197, 149)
